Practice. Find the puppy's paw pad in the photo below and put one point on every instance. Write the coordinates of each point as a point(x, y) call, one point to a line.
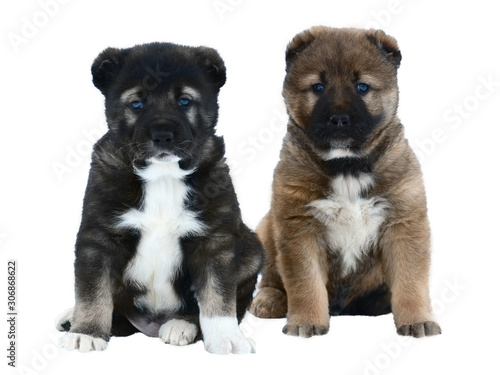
point(269, 303)
point(83, 343)
point(428, 328)
point(63, 320)
point(178, 332)
point(305, 330)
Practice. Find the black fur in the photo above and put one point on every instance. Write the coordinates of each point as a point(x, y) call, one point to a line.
point(227, 250)
point(325, 131)
point(372, 303)
point(390, 52)
point(348, 166)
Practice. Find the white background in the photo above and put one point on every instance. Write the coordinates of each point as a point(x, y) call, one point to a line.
point(49, 108)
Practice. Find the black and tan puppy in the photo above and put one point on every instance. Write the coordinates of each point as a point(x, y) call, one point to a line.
point(161, 248)
point(347, 232)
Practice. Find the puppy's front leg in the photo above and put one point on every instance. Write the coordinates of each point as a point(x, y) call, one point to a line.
point(406, 254)
point(92, 316)
point(216, 288)
point(303, 266)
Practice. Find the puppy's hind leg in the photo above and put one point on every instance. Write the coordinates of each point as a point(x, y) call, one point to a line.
point(270, 301)
point(181, 330)
point(121, 326)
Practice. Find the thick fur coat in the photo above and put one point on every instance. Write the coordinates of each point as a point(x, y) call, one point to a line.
point(347, 232)
point(161, 248)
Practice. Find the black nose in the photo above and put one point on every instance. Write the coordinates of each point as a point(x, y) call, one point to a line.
point(340, 120)
point(162, 139)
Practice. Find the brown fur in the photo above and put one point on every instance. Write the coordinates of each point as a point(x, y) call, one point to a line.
point(302, 275)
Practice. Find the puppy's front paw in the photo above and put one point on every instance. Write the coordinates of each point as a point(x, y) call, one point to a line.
point(83, 343)
point(221, 335)
point(269, 303)
point(428, 328)
point(178, 332)
point(226, 343)
point(305, 330)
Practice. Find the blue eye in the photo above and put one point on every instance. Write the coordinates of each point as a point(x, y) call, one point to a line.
point(137, 104)
point(318, 88)
point(362, 88)
point(184, 102)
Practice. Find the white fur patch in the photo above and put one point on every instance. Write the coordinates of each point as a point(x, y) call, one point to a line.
point(191, 92)
point(338, 153)
point(352, 222)
point(191, 114)
point(130, 94)
point(222, 335)
point(178, 332)
point(83, 343)
point(309, 80)
point(162, 221)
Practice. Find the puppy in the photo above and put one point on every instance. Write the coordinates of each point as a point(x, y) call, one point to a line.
point(161, 248)
point(347, 232)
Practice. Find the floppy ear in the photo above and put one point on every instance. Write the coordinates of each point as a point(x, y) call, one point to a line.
point(107, 66)
point(213, 65)
point(299, 43)
point(387, 45)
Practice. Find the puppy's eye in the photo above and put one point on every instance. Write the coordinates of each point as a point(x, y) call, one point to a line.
point(137, 104)
point(184, 102)
point(362, 88)
point(318, 88)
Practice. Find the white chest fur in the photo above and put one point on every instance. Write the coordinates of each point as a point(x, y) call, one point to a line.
point(352, 222)
point(162, 221)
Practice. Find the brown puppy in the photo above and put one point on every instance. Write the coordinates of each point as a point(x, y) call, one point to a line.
point(347, 232)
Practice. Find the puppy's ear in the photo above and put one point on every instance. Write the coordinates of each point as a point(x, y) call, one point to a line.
point(299, 43)
point(387, 44)
point(213, 65)
point(107, 66)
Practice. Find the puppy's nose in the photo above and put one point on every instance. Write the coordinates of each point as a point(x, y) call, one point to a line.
point(162, 139)
point(340, 120)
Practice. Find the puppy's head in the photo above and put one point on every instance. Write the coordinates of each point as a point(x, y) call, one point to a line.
point(341, 85)
point(161, 99)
